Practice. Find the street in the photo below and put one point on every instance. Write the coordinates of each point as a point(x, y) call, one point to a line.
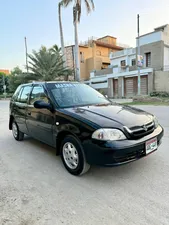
point(35, 188)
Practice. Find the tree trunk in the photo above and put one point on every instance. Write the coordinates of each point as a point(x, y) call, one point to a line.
point(61, 35)
point(77, 62)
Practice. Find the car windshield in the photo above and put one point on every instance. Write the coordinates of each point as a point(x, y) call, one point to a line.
point(76, 94)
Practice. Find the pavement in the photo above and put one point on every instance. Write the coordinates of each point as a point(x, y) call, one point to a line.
point(35, 189)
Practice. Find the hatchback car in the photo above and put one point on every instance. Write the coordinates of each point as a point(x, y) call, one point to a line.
point(84, 126)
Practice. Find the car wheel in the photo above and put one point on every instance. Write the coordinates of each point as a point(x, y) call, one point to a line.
point(18, 135)
point(73, 156)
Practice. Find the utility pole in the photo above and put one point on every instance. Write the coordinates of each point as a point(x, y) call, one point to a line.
point(26, 52)
point(138, 51)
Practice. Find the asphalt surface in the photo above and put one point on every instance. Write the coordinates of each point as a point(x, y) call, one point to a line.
point(35, 189)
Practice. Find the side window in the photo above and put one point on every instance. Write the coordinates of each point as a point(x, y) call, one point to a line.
point(16, 94)
point(25, 94)
point(38, 94)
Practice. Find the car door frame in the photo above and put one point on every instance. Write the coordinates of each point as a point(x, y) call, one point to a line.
point(20, 110)
point(38, 128)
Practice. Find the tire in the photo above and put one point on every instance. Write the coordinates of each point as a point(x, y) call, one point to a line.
point(73, 156)
point(17, 134)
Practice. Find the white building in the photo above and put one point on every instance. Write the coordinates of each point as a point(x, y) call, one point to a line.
point(120, 80)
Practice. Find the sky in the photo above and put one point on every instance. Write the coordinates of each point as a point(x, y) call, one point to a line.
point(38, 21)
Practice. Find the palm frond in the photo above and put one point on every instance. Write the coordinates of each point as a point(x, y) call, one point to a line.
point(46, 64)
point(67, 2)
point(92, 4)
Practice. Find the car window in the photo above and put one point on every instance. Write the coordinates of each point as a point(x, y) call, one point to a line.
point(75, 94)
point(38, 94)
point(16, 93)
point(19, 95)
point(25, 94)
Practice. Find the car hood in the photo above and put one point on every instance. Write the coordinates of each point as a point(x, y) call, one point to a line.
point(107, 116)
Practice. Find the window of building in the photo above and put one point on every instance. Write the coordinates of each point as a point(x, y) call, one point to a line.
point(133, 62)
point(25, 94)
point(123, 63)
point(148, 59)
point(38, 94)
point(82, 57)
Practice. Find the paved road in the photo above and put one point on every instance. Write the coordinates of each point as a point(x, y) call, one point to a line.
point(35, 189)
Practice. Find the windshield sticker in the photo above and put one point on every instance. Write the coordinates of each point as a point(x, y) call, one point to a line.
point(64, 85)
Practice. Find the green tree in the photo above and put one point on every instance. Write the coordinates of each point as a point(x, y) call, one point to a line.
point(47, 64)
point(15, 79)
point(77, 8)
point(4, 80)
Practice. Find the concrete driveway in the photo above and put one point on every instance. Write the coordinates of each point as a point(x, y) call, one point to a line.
point(35, 189)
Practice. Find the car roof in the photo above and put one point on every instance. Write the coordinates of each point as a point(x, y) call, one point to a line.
point(49, 82)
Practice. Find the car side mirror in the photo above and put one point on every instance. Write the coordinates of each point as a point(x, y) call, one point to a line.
point(42, 105)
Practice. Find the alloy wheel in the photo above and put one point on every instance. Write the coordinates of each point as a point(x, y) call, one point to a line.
point(70, 155)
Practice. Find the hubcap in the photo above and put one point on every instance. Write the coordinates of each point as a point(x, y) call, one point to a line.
point(14, 130)
point(70, 155)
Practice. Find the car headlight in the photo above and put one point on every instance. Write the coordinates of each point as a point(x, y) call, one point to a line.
point(156, 123)
point(108, 135)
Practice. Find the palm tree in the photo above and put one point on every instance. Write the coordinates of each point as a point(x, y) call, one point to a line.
point(47, 64)
point(60, 5)
point(77, 8)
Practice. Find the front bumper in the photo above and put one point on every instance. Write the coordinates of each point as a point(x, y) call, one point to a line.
point(114, 153)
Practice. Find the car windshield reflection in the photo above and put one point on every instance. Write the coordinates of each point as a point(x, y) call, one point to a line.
point(75, 94)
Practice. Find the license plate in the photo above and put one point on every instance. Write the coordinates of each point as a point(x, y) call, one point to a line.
point(151, 146)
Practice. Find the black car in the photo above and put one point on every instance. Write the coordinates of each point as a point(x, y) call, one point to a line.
point(83, 125)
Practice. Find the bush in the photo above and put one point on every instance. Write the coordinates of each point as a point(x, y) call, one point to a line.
point(160, 94)
point(9, 95)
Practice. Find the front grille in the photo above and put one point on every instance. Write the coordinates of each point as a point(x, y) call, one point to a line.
point(129, 156)
point(140, 131)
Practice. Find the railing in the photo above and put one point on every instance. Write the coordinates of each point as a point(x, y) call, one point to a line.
point(91, 39)
point(127, 51)
point(122, 45)
point(103, 72)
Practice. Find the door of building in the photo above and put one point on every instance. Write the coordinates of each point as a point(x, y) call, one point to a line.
point(129, 87)
point(144, 85)
point(115, 87)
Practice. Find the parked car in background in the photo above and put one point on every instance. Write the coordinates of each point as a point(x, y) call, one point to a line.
point(84, 126)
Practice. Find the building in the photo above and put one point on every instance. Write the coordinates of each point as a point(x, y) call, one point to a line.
point(5, 71)
point(121, 78)
point(93, 54)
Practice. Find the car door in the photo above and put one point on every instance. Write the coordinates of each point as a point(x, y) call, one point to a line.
point(40, 121)
point(21, 108)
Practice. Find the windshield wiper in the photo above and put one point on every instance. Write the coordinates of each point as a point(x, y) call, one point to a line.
point(103, 104)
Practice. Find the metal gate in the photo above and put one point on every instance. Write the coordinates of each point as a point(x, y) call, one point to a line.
point(129, 87)
point(144, 85)
point(115, 87)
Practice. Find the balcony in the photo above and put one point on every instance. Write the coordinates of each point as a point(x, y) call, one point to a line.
point(103, 72)
point(128, 51)
point(132, 68)
point(122, 69)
